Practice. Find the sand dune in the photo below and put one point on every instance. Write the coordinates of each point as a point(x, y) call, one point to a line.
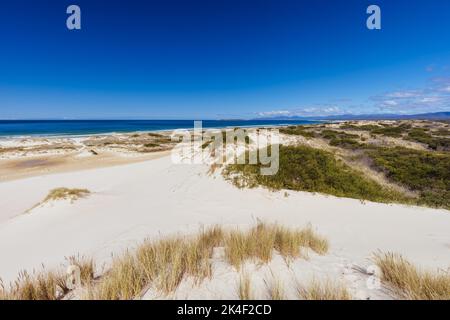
point(149, 199)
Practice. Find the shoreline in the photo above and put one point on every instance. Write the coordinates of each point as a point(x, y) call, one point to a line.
point(74, 155)
point(188, 128)
point(137, 193)
point(64, 164)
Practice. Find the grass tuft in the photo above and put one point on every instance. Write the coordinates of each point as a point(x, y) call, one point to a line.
point(245, 287)
point(275, 289)
point(62, 194)
point(66, 193)
point(325, 290)
point(87, 268)
point(259, 242)
point(163, 264)
point(50, 285)
point(411, 283)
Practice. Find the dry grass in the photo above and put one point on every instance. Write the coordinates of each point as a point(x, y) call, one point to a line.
point(87, 268)
point(409, 282)
point(62, 194)
point(123, 281)
point(275, 289)
point(325, 290)
point(66, 193)
point(260, 241)
point(49, 285)
point(41, 286)
point(245, 287)
point(163, 264)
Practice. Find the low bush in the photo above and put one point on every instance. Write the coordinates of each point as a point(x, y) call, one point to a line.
point(423, 171)
point(304, 168)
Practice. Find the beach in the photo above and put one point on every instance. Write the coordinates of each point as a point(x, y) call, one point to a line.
point(224, 150)
point(152, 198)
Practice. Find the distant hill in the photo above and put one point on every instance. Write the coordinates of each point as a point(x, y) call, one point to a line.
point(385, 116)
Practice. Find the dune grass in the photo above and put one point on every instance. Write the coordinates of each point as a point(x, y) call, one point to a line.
point(87, 268)
point(66, 193)
point(41, 286)
point(163, 264)
point(259, 243)
point(245, 287)
point(275, 289)
point(323, 290)
point(409, 282)
point(62, 194)
point(46, 285)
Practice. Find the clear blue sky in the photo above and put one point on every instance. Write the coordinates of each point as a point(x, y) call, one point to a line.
point(212, 59)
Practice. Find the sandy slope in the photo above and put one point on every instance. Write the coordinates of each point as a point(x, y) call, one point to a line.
point(148, 199)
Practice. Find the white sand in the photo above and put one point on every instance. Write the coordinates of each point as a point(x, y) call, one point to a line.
point(154, 198)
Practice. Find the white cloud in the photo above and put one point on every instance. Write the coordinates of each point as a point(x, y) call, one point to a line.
point(446, 89)
point(432, 98)
point(435, 97)
point(274, 113)
point(391, 103)
point(403, 94)
point(316, 110)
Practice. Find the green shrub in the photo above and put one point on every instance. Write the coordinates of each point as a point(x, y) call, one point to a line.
point(151, 145)
point(389, 131)
point(425, 172)
point(435, 143)
point(298, 131)
point(364, 127)
point(442, 132)
point(308, 169)
point(341, 139)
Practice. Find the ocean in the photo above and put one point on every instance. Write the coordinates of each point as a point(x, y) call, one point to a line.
point(12, 128)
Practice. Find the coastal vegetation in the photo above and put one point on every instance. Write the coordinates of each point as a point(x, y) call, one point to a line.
point(245, 287)
point(162, 264)
point(66, 194)
point(409, 282)
point(427, 173)
point(298, 130)
point(435, 143)
point(323, 290)
point(341, 139)
point(416, 161)
point(304, 168)
point(392, 131)
point(46, 285)
point(62, 194)
point(259, 243)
